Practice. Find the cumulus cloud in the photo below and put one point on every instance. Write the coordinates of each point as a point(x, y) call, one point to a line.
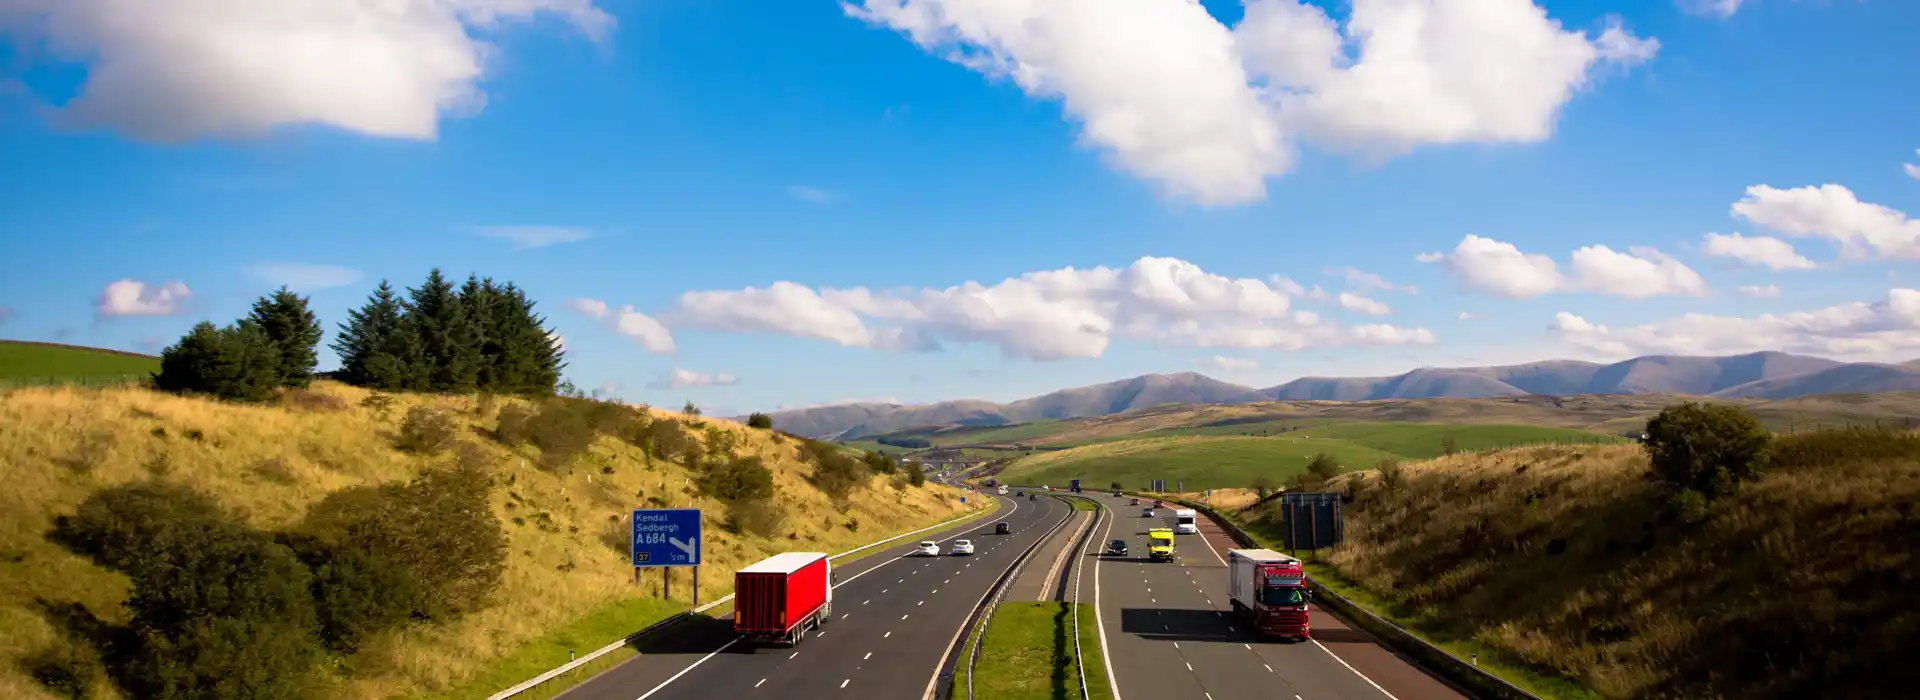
point(302, 277)
point(529, 237)
point(687, 379)
point(1355, 302)
point(1368, 280)
point(1046, 315)
point(1712, 8)
point(1291, 288)
point(1228, 364)
point(1887, 330)
point(1465, 316)
point(636, 326)
point(131, 297)
point(1207, 113)
point(1760, 291)
point(1862, 230)
point(806, 193)
point(1759, 251)
point(176, 70)
point(1501, 269)
point(1912, 170)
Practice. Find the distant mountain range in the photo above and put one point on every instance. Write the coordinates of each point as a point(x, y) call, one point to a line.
point(1763, 375)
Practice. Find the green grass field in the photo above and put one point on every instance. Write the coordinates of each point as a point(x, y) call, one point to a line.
point(1410, 440)
point(40, 363)
point(1028, 655)
point(1200, 461)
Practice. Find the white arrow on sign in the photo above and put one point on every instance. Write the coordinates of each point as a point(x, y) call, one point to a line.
point(691, 545)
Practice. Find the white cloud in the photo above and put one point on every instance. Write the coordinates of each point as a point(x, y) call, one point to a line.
point(1046, 315)
point(131, 297)
point(1171, 95)
point(1368, 280)
point(687, 379)
point(1355, 302)
point(1291, 288)
point(1912, 170)
point(1228, 364)
point(1715, 8)
point(175, 70)
point(636, 326)
point(301, 277)
point(1863, 230)
point(1760, 251)
point(1464, 316)
point(1886, 330)
point(1501, 269)
point(1760, 292)
point(815, 195)
point(529, 237)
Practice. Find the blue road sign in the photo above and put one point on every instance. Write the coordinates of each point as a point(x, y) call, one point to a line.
point(666, 537)
point(963, 499)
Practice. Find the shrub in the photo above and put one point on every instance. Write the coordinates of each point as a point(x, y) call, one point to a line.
point(837, 474)
point(1264, 485)
point(668, 439)
point(1391, 474)
point(916, 476)
point(561, 433)
point(438, 527)
point(880, 463)
point(760, 518)
point(690, 410)
point(721, 444)
point(379, 403)
point(425, 431)
point(124, 527)
point(738, 480)
point(359, 593)
point(1705, 448)
point(238, 363)
point(310, 401)
point(220, 657)
point(514, 424)
point(760, 421)
point(64, 669)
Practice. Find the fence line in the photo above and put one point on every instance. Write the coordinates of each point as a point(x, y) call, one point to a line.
point(103, 380)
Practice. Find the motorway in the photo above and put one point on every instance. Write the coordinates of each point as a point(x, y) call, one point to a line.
point(894, 617)
point(1171, 632)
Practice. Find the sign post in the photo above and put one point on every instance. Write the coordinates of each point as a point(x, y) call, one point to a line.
point(666, 538)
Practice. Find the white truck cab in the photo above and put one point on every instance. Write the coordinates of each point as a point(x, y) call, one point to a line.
point(1184, 522)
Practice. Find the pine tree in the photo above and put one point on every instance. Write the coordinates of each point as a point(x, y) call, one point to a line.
point(377, 348)
point(449, 342)
point(481, 301)
point(533, 360)
point(239, 362)
point(293, 330)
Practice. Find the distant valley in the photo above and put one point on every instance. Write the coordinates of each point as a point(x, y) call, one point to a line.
point(1764, 375)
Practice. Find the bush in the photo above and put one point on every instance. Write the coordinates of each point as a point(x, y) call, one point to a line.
point(220, 657)
point(668, 439)
point(721, 444)
point(1706, 448)
point(1391, 474)
point(561, 433)
point(237, 363)
point(760, 421)
point(1264, 485)
point(64, 669)
point(425, 431)
point(439, 528)
point(837, 474)
point(514, 425)
point(379, 403)
point(1448, 446)
point(358, 594)
point(916, 476)
point(1839, 447)
point(738, 480)
point(311, 401)
point(760, 518)
point(124, 527)
point(1323, 466)
point(880, 463)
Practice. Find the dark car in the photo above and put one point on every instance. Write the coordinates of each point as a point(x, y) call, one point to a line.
point(1001, 528)
point(1117, 548)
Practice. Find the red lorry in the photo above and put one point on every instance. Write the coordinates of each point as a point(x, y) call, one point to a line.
point(781, 597)
point(1269, 589)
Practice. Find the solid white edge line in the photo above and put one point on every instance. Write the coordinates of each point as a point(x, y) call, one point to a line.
point(1343, 662)
point(1113, 684)
point(684, 671)
point(934, 681)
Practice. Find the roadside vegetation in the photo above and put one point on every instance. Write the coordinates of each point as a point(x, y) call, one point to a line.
point(248, 529)
point(1717, 560)
point(1028, 654)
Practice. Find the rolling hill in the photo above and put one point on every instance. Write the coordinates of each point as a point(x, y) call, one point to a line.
point(27, 362)
point(1764, 375)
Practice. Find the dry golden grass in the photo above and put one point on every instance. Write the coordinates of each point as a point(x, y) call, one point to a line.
point(1801, 584)
point(58, 445)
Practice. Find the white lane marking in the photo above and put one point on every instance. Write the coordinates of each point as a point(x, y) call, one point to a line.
point(884, 636)
point(1189, 665)
point(903, 617)
point(689, 667)
point(1248, 646)
point(843, 617)
point(822, 633)
point(1343, 662)
point(1270, 670)
point(883, 590)
point(936, 590)
point(793, 655)
point(864, 602)
point(1176, 645)
point(763, 680)
point(868, 656)
point(918, 604)
point(844, 683)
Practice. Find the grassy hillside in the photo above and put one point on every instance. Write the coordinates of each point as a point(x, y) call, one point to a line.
point(1200, 461)
point(26, 362)
point(566, 582)
point(1565, 560)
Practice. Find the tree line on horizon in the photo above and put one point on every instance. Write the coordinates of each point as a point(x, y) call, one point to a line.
point(480, 336)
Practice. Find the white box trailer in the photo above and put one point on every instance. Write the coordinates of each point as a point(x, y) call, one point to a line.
point(1186, 522)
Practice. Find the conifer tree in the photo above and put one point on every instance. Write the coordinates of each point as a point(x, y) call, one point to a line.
point(238, 362)
point(376, 346)
point(293, 330)
point(449, 342)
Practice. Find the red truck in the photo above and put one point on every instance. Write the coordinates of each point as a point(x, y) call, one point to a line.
point(1269, 589)
point(779, 598)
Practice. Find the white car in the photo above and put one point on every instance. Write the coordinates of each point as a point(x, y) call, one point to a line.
point(962, 547)
point(928, 549)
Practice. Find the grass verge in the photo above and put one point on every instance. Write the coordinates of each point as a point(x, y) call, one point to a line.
point(1028, 655)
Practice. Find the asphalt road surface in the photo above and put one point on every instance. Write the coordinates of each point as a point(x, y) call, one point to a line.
point(1171, 632)
point(894, 616)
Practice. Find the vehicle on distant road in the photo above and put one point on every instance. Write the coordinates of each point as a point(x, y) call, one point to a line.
point(928, 548)
point(1269, 590)
point(962, 547)
point(1160, 544)
point(1003, 489)
point(778, 599)
point(1146, 512)
point(1117, 548)
point(1184, 522)
point(1133, 501)
point(1076, 486)
point(1002, 527)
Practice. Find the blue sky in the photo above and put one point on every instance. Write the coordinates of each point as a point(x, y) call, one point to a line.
point(207, 152)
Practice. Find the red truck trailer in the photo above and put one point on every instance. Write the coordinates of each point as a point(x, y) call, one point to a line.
point(1269, 589)
point(779, 598)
